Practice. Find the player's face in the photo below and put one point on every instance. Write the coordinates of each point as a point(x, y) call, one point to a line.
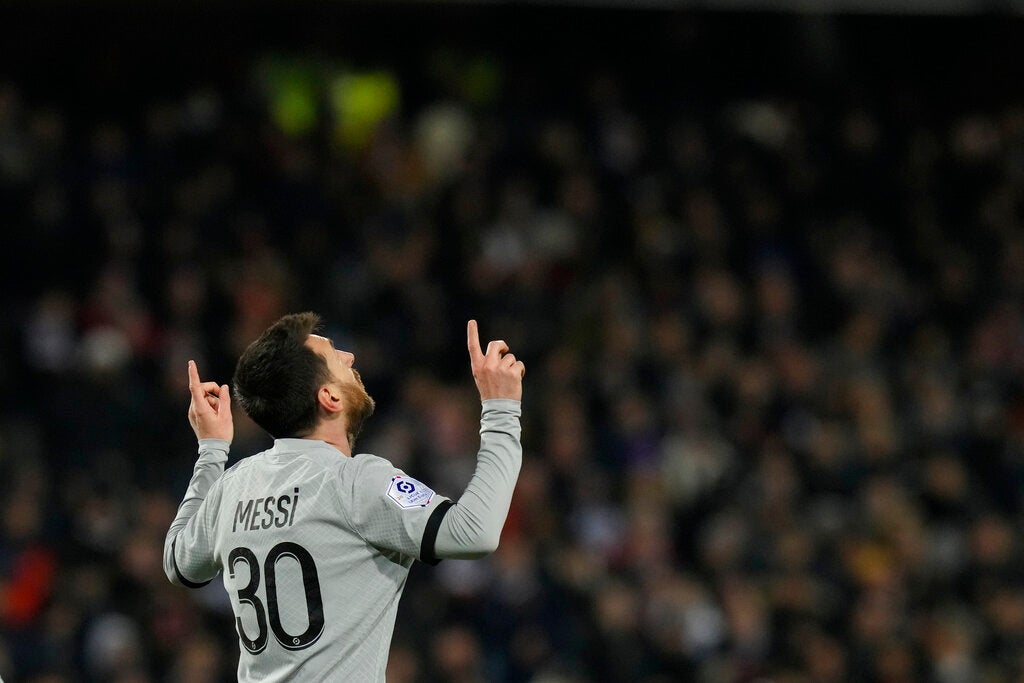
point(358, 404)
point(338, 362)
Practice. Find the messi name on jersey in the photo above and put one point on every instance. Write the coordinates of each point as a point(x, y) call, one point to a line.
point(264, 513)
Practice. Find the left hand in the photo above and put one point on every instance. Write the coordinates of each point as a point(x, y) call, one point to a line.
point(497, 373)
point(209, 413)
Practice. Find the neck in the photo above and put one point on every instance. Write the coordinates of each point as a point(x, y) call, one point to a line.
point(337, 437)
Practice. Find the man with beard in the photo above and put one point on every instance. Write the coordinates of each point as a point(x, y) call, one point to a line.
point(315, 544)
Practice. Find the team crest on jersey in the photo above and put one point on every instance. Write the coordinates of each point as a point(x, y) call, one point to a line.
point(409, 493)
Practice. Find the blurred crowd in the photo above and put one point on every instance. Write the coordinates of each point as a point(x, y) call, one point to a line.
point(774, 407)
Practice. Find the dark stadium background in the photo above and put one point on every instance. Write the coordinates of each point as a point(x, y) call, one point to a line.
point(766, 269)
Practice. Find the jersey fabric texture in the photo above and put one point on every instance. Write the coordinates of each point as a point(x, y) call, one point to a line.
point(315, 547)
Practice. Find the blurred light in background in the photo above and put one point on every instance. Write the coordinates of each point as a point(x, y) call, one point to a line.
point(360, 101)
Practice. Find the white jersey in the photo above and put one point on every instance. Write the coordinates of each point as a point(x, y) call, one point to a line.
point(315, 548)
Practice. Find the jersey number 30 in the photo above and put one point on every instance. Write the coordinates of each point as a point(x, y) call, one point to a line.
point(247, 595)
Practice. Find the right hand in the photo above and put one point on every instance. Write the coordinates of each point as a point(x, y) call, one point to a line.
point(497, 372)
point(209, 413)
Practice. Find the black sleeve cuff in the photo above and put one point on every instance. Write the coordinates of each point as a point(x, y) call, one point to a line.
point(430, 533)
point(185, 582)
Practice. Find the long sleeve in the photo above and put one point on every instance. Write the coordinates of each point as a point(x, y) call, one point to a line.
point(188, 548)
point(472, 527)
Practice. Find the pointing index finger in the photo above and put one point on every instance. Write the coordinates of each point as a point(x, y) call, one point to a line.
point(193, 374)
point(195, 386)
point(473, 340)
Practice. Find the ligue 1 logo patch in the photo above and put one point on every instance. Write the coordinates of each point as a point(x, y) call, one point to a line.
point(409, 493)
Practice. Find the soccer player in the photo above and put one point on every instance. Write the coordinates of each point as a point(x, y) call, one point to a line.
point(314, 542)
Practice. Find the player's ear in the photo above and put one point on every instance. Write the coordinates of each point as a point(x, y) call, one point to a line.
point(329, 399)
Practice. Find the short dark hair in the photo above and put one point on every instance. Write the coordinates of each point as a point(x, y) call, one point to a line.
point(277, 377)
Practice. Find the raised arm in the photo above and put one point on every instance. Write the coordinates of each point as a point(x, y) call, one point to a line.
point(187, 549)
point(472, 527)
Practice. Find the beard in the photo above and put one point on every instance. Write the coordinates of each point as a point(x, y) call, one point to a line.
point(360, 406)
